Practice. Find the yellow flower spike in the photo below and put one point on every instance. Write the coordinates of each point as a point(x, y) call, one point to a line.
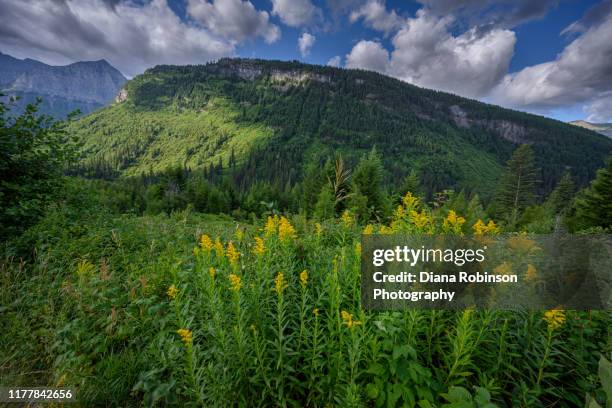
point(358, 249)
point(531, 275)
point(348, 319)
point(271, 225)
point(239, 234)
point(384, 230)
point(554, 318)
point(286, 230)
point(453, 222)
point(235, 282)
point(304, 278)
point(186, 336)
point(279, 283)
point(260, 246)
point(206, 243)
point(479, 227)
point(399, 213)
point(232, 254)
point(219, 250)
point(172, 292)
point(347, 219)
point(420, 220)
point(368, 230)
point(492, 228)
point(318, 229)
point(410, 201)
point(315, 312)
point(212, 272)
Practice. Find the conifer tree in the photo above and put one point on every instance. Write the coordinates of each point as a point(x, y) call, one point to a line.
point(561, 196)
point(594, 205)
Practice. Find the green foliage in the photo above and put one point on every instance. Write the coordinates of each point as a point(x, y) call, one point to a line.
point(594, 204)
point(34, 150)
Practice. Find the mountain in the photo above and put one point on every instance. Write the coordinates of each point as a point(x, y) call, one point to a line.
point(270, 120)
point(83, 85)
point(603, 128)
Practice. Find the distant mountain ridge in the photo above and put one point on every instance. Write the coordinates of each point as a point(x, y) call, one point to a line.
point(86, 85)
point(603, 128)
point(268, 121)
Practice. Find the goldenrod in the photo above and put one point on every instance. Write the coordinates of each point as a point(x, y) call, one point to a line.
point(279, 283)
point(186, 336)
point(410, 201)
point(172, 292)
point(554, 318)
point(453, 222)
point(212, 272)
point(286, 230)
point(206, 243)
point(271, 224)
point(531, 275)
point(235, 282)
point(368, 230)
point(219, 250)
point(260, 246)
point(232, 253)
point(348, 319)
point(304, 278)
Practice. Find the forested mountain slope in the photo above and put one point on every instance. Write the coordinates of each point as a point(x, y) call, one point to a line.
point(270, 119)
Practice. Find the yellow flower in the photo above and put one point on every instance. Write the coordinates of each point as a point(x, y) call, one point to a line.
point(239, 234)
point(348, 319)
point(304, 278)
point(235, 282)
point(212, 272)
point(410, 201)
point(232, 253)
point(505, 268)
point(279, 283)
point(260, 246)
point(219, 250)
point(453, 222)
point(368, 230)
point(399, 213)
point(206, 243)
point(315, 312)
point(531, 274)
point(554, 318)
point(271, 224)
point(420, 220)
point(358, 249)
point(318, 229)
point(285, 229)
point(492, 228)
point(384, 230)
point(480, 228)
point(172, 292)
point(346, 218)
point(186, 336)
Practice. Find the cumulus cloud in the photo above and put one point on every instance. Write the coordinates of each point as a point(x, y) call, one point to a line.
point(296, 13)
point(305, 43)
point(335, 61)
point(370, 55)
point(233, 19)
point(130, 36)
point(425, 53)
point(582, 73)
point(376, 16)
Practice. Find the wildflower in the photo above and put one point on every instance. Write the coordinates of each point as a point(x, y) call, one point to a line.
point(384, 230)
point(304, 278)
point(239, 234)
point(172, 292)
point(399, 213)
point(479, 227)
point(492, 228)
point(232, 253)
point(285, 229)
point(219, 250)
point(531, 274)
point(410, 201)
point(346, 218)
point(554, 318)
point(358, 249)
point(260, 246)
point(318, 229)
point(420, 220)
point(186, 336)
point(315, 312)
point(504, 268)
point(453, 222)
point(368, 230)
point(206, 243)
point(235, 282)
point(212, 272)
point(279, 283)
point(271, 224)
point(348, 319)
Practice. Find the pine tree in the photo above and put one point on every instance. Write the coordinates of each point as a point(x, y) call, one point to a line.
point(367, 179)
point(517, 185)
point(325, 207)
point(561, 196)
point(594, 205)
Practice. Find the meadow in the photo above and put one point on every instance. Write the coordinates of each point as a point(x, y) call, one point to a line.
point(190, 309)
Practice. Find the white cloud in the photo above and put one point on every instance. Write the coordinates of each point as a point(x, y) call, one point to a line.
point(129, 35)
point(376, 16)
point(233, 19)
point(426, 54)
point(368, 55)
point(305, 43)
point(335, 61)
point(296, 13)
point(582, 73)
point(600, 109)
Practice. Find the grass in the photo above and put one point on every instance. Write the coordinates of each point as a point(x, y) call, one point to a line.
point(136, 311)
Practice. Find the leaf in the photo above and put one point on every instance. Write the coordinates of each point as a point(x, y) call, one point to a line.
point(372, 391)
point(457, 394)
point(605, 375)
point(482, 396)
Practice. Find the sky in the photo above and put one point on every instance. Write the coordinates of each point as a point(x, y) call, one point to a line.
point(549, 57)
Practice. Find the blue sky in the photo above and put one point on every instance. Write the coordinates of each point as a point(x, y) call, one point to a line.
point(551, 57)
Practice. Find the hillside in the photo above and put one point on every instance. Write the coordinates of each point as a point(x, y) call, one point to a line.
point(603, 128)
point(270, 119)
point(85, 85)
